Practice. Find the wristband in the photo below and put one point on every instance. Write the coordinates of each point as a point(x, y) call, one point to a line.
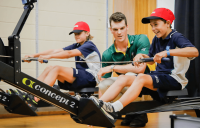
point(167, 48)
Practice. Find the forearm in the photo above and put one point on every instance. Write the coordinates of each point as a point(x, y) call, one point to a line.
point(47, 52)
point(184, 52)
point(61, 55)
point(130, 68)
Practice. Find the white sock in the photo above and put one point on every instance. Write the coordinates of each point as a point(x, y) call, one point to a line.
point(118, 106)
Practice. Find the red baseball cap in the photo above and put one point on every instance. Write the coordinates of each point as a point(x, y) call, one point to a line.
point(160, 13)
point(79, 27)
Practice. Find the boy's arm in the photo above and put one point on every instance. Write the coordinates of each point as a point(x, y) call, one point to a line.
point(141, 56)
point(47, 52)
point(189, 52)
point(63, 54)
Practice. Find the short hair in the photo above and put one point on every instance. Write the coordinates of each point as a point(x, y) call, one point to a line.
point(117, 17)
point(165, 21)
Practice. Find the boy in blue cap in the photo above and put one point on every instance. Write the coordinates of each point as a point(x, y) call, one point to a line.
point(168, 75)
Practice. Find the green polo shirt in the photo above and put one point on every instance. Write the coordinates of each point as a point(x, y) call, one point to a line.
point(138, 44)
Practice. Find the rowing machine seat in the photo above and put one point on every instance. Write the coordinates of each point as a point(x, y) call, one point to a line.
point(183, 92)
point(85, 92)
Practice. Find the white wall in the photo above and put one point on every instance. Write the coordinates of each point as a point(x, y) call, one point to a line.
point(170, 4)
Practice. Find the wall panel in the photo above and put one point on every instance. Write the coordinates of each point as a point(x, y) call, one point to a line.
point(135, 10)
point(128, 8)
point(143, 9)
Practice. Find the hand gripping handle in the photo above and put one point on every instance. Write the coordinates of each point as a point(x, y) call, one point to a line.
point(151, 60)
point(35, 59)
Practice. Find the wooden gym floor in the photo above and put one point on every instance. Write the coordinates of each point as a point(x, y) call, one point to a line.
point(156, 120)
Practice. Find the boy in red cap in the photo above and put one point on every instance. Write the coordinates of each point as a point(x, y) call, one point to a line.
point(84, 75)
point(168, 75)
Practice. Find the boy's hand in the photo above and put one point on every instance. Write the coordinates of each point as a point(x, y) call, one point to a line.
point(138, 57)
point(103, 71)
point(27, 56)
point(44, 57)
point(157, 58)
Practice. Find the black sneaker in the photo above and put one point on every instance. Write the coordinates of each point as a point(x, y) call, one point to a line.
point(10, 92)
point(20, 93)
point(13, 92)
point(29, 99)
point(106, 107)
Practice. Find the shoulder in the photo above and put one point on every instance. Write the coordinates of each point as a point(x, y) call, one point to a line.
point(70, 47)
point(89, 43)
point(180, 40)
point(138, 39)
point(177, 35)
point(108, 52)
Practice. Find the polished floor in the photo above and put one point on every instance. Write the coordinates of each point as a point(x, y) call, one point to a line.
point(156, 120)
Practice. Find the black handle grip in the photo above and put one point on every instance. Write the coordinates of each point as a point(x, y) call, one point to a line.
point(151, 60)
point(36, 59)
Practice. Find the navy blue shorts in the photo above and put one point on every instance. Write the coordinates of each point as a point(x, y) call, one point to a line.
point(164, 83)
point(83, 79)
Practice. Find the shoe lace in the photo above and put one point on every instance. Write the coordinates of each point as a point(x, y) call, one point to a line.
point(108, 106)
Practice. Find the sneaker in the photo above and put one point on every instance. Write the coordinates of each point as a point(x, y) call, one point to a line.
point(22, 94)
point(106, 107)
point(29, 99)
point(78, 97)
point(11, 92)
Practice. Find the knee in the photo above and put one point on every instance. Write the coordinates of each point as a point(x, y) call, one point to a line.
point(104, 85)
point(56, 68)
point(48, 68)
point(141, 77)
point(124, 79)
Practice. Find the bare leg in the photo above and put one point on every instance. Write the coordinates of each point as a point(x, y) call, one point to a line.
point(142, 80)
point(100, 94)
point(60, 73)
point(50, 75)
point(113, 91)
point(44, 73)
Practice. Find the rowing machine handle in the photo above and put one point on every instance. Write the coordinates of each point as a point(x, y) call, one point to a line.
point(44, 61)
point(151, 60)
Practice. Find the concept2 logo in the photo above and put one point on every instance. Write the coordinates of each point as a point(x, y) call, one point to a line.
point(24, 81)
point(48, 92)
